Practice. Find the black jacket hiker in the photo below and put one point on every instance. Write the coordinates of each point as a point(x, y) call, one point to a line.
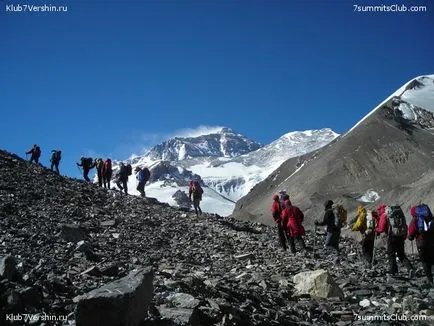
point(333, 232)
point(123, 178)
point(55, 159)
point(86, 163)
point(36, 153)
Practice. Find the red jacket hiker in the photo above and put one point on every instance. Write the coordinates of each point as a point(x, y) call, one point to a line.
point(276, 210)
point(292, 218)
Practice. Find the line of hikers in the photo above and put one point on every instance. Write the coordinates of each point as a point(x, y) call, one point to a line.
point(104, 174)
point(35, 153)
point(104, 170)
point(388, 221)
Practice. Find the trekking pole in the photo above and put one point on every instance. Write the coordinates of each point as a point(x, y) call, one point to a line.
point(373, 250)
point(314, 241)
point(412, 250)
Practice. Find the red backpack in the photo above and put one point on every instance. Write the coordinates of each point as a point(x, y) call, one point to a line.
point(107, 165)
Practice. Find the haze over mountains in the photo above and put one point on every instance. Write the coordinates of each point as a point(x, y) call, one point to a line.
point(227, 163)
point(386, 157)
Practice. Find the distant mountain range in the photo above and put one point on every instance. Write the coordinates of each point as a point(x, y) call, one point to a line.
point(227, 164)
point(386, 157)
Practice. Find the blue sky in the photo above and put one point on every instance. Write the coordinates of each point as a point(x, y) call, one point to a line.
point(109, 78)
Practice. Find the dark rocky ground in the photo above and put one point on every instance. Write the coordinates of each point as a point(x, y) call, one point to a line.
point(207, 271)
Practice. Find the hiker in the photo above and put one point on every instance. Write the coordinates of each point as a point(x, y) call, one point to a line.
point(283, 196)
point(276, 211)
point(124, 172)
point(421, 228)
point(107, 173)
point(391, 222)
point(142, 176)
point(292, 219)
point(196, 190)
point(333, 230)
point(56, 156)
point(87, 164)
point(369, 239)
point(36, 153)
point(366, 226)
point(99, 167)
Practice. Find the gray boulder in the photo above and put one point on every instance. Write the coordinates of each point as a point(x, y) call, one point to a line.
point(122, 302)
point(317, 283)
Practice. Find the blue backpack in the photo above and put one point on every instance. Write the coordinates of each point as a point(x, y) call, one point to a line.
point(424, 217)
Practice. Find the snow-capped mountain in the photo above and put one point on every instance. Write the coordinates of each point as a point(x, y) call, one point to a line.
point(227, 163)
point(386, 157)
point(233, 178)
point(225, 143)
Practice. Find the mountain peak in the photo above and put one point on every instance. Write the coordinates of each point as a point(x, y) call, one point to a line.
point(226, 130)
point(219, 143)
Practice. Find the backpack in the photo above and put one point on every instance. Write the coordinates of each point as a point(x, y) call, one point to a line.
point(397, 222)
point(99, 164)
point(37, 152)
point(108, 165)
point(88, 161)
point(360, 224)
point(57, 155)
point(129, 169)
point(146, 174)
point(424, 217)
point(340, 214)
point(370, 223)
point(196, 188)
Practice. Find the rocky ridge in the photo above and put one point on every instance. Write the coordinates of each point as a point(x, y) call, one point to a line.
point(387, 154)
point(61, 238)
